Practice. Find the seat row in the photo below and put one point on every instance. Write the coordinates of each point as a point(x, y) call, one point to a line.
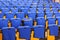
point(33, 3)
point(15, 22)
point(30, 15)
point(26, 10)
point(25, 32)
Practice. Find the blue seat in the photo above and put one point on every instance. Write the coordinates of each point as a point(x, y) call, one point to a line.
point(53, 30)
point(47, 10)
point(57, 14)
point(47, 6)
point(54, 10)
point(14, 0)
point(22, 3)
point(58, 5)
point(1, 15)
point(40, 6)
point(9, 0)
point(19, 7)
point(24, 32)
point(3, 23)
point(8, 33)
point(6, 3)
point(1, 3)
point(35, 1)
point(4, 10)
point(1, 7)
point(49, 14)
point(25, 10)
point(51, 21)
point(28, 22)
point(32, 15)
point(33, 10)
point(27, 5)
point(39, 31)
point(9, 7)
point(40, 10)
point(16, 22)
point(14, 10)
point(9, 15)
point(40, 21)
point(58, 21)
point(14, 3)
point(53, 6)
point(51, 0)
point(20, 15)
point(25, 1)
point(34, 5)
point(40, 14)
